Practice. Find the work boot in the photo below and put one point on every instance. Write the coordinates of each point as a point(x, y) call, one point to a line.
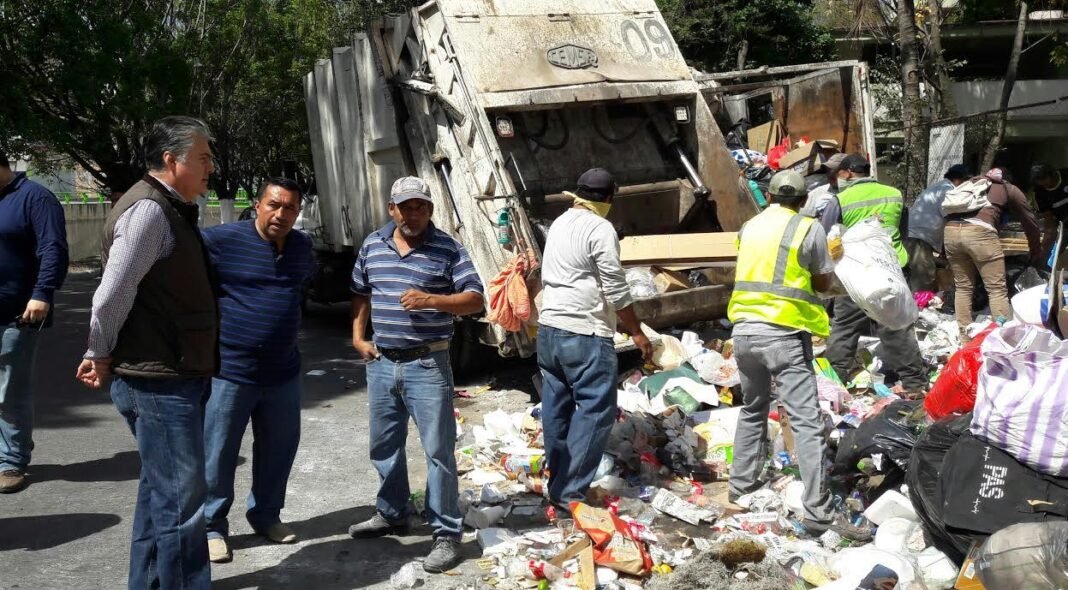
point(280, 533)
point(219, 550)
point(840, 525)
point(444, 556)
point(378, 526)
point(12, 480)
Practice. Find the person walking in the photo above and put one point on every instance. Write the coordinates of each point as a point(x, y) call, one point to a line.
point(861, 197)
point(154, 324)
point(33, 256)
point(584, 294)
point(261, 268)
point(926, 227)
point(783, 261)
point(973, 247)
point(412, 280)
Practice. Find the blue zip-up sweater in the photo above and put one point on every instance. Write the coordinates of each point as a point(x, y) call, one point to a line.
point(33, 246)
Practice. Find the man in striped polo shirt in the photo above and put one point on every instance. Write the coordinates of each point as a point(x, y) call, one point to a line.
point(412, 280)
point(261, 268)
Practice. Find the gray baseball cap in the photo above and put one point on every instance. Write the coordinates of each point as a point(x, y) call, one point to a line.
point(409, 187)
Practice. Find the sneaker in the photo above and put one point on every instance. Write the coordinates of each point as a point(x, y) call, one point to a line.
point(378, 526)
point(444, 556)
point(840, 525)
point(280, 533)
point(12, 480)
point(219, 550)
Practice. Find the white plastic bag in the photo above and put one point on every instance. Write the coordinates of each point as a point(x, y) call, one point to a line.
point(870, 272)
point(1022, 395)
point(707, 365)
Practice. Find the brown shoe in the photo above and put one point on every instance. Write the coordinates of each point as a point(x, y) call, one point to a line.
point(12, 481)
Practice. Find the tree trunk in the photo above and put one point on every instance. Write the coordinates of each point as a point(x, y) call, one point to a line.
point(947, 104)
point(1006, 90)
point(917, 126)
point(743, 52)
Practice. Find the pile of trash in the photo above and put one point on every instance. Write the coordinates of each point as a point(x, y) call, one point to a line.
point(966, 487)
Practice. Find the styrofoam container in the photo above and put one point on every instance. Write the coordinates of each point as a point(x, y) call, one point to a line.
point(890, 505)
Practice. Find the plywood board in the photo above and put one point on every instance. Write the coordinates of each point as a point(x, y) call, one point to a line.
point(677, 249)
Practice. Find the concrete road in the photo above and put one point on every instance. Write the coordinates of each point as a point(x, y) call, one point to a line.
point(71, 527)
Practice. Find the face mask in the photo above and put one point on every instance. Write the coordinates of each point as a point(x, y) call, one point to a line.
point(598, 207)
point(844, 183)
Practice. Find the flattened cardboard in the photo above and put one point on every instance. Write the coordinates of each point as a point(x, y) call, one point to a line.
point(676, 249)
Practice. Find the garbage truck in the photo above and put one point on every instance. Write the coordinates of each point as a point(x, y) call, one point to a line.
point(500, 105)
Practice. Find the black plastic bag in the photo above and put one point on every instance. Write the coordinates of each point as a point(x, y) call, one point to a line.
point(892, 433)
point(924, 478)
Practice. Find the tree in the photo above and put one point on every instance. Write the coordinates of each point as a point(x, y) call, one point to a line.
point(1006, 90)
point(722, 35)
point(917, 124)
point(84, 78)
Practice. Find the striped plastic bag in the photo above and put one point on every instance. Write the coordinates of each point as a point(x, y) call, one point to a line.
point(1021, 404)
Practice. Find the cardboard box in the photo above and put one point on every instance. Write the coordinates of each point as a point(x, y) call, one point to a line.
point(676, 249)
point(809, 157)
point(669, 281)
point(969, 574)
point(764, 137)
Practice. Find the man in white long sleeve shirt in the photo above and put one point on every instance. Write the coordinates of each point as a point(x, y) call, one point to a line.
point(155, 326)
point(584, 292)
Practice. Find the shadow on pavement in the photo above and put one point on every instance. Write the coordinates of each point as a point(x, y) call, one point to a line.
point(332, 565)
point(34, 533)
point(122, 466)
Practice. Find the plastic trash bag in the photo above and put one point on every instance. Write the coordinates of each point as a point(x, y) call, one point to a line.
point(642, 282)
point(954, 391)
point(923, 477)
point(1022, 396)
point(1030, 277)
point(872, 276)
point(1025, 556)
point(892, 432)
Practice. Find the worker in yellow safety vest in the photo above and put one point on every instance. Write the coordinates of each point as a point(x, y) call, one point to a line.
point(862, 197)
point(783, 260)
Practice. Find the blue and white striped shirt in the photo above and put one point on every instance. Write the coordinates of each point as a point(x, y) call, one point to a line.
point(260, 292)
point(440, 266)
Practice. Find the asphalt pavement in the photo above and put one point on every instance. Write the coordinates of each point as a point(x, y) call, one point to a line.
point(71, 527)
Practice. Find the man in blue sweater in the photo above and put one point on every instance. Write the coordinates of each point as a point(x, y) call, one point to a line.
point(33, 264)
point(261, 268)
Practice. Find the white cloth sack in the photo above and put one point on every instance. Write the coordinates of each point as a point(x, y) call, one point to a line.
point(969, 196)
point(1021, 404)
point(870, 272)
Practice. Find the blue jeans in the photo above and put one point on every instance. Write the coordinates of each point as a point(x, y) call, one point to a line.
point(578, 407)
point(422, 389)
point(275, 414)
point(17, 350)
point(169, 549)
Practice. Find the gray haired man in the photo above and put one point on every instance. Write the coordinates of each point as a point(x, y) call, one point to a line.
point(154, 324)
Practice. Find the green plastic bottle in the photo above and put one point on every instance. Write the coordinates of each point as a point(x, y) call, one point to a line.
point(504, 230)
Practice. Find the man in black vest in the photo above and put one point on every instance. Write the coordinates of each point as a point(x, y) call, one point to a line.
point(155, 326)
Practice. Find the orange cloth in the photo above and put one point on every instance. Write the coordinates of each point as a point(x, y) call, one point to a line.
point(509, 300)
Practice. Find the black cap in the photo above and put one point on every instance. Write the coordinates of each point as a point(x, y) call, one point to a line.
point(958, 172)
point(599, 181)
point(856, 163)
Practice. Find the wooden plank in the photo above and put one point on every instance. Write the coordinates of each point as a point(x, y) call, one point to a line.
point(677, 249)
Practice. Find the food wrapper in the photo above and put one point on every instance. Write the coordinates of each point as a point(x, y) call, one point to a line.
point(614, 544)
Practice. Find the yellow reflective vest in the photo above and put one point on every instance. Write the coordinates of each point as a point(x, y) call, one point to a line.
point(770, 284)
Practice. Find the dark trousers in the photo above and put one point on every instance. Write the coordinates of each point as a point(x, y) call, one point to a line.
point(900, 350)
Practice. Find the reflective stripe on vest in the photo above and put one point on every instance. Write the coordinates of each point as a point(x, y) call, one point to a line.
point(771, 285)
point(872, 203)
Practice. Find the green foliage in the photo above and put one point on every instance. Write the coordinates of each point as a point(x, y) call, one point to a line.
point(85, 78)
point(779, 32)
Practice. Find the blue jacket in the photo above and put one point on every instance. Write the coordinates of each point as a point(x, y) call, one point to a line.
point(33, 246)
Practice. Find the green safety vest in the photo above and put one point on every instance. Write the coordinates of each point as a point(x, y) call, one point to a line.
point(869, 199)
point(770, 284)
